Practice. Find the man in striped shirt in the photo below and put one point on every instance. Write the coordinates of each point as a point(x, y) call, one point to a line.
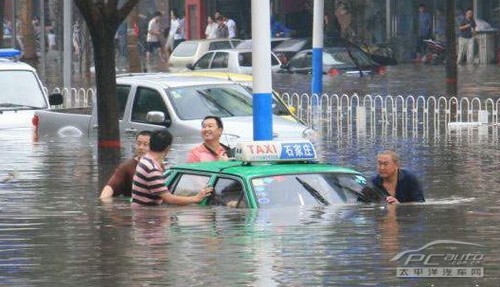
point(148, 186)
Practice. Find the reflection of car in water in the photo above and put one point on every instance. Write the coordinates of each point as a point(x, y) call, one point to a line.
point(272, 174)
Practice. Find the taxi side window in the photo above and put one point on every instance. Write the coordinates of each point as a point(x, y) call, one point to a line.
point(189, 184)
point(229, 192)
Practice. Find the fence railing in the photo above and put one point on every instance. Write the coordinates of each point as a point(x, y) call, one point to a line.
point(394, 109)
point(76, 97)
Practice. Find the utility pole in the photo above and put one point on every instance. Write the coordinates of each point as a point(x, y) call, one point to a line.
point(451, 50)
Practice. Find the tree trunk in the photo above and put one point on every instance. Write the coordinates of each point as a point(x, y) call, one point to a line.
point(2, 9)
point(134, 59)
point(27, 33)
point(451, 54)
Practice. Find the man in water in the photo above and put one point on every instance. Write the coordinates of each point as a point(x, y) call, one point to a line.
point(148, 188)
point(400, 184)
point(120, 182)
point(211, 149)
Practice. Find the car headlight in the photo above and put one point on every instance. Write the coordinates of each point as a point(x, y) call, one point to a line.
point(310, 134)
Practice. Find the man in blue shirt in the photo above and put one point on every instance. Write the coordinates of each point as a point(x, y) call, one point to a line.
point(399, 184)
point(424, 31)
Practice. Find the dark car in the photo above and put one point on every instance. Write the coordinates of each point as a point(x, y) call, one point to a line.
point(340, 59)
point(287, 49)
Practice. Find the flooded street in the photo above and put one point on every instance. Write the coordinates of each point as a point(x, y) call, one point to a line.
point(54, 231)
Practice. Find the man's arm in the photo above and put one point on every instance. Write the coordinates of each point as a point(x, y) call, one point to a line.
point(185, 200)
point(107, 192)
point(416, 192)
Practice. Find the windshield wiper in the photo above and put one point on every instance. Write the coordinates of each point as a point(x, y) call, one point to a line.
point(314, 193)
point(208, 97)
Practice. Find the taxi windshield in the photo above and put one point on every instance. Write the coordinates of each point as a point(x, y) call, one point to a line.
point(308, 189)
point(195, 102)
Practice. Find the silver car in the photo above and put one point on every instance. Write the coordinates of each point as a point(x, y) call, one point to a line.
point(230, 60)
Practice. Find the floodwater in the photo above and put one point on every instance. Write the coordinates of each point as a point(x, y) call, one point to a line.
point(55, 232)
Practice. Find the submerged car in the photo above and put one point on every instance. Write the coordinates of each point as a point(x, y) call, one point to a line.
point(269, 174)
point(337, 60)
point(230, 60)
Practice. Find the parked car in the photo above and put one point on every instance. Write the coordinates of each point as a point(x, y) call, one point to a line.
point(269, 174)
point(21, 93)
point(287, 49)
point(175, 102)
point(232, 60)
point(247, 44)
point(189, 51)
point(337, 60)
point(279, 107)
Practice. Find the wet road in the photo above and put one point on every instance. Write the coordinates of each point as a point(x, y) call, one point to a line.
point(55, 232)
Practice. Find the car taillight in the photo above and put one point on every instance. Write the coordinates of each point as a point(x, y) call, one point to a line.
point(35, 121)
point(381, 70)
point(334, 72)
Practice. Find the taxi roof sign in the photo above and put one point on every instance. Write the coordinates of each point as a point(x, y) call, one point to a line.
point(258, 151)
point(9, 53)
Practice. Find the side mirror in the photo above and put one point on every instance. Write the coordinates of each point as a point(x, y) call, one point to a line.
point(158, 118)
point(56, 99)
point(190, 66)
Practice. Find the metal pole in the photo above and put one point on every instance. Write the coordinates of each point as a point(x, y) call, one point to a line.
point(68, 25)
point(262, 77)
point(42, 39)
point(317, 59)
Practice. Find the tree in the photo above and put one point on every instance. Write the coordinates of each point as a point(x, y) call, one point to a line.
point(102, 19)
point(28, 45)
point(2, 7)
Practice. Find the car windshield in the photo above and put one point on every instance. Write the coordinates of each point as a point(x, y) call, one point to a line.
point(20, 89)
point(340, 57)
point(291, 45)
point(308, 189)
point(225, 100)
point(185, 49)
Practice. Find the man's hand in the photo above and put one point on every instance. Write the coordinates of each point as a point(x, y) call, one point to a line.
point(391, 200)
point(204, 192)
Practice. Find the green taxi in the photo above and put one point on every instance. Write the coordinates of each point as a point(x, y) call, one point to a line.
point(268, 174)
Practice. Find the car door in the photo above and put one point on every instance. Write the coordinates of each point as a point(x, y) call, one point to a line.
point(220, 61)
point(204, 62)
point(146, 100)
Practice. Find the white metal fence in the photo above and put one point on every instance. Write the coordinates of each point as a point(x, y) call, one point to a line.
point(394, 109)
point(76, 97)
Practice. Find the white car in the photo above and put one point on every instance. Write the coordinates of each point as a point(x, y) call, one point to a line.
point(231, 60)
point(21, 92)
point(188, 52)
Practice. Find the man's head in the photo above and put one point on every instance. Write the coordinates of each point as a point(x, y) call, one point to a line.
point(421, 8)
point(142, 143)
point(160, 140)
point(211, 128)
point(387, 163)
point(220, 20)
point(468, 13)
point(157, 15)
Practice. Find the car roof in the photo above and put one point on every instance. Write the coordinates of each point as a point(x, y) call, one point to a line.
point(16, 66)
point(170, 80)
point(234, 77)
point(238, 168)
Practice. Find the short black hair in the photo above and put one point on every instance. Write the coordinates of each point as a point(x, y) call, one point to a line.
point(217, 120)
point(143, 133)
point(157, 13)
point(160, 140)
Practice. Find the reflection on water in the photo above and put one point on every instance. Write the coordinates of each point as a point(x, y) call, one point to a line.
point(55, 232)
